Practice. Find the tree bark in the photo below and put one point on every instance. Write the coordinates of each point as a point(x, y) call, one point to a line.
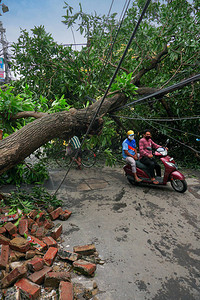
point(19, 145)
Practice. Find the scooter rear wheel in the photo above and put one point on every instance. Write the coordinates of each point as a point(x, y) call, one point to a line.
point(178, 185)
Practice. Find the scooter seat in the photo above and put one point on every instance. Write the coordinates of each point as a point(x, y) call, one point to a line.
point(142, 167)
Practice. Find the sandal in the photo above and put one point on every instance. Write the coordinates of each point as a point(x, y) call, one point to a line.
point(138, 180)
point(155, 181)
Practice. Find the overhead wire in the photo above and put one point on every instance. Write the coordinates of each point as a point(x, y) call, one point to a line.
point(153, 120)
point(160, 120)
point(179, 130)
point(181, 143)
point(107, 19)
point(166, 97)
point(106, 92)
point(163, 91)
point(116, 35)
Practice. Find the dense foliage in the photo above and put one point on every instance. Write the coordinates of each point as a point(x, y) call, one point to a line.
point(165, 51)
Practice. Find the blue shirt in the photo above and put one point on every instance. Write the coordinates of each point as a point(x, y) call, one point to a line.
point(128, 145)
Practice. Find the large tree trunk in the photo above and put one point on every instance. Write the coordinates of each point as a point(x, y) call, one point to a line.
point(16, 147)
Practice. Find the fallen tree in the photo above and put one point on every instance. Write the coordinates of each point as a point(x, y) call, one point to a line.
point(19, 145)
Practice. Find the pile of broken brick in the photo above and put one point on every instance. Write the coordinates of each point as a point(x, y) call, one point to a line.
point(33, 262)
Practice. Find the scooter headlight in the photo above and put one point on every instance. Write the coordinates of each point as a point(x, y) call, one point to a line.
point(171, 164)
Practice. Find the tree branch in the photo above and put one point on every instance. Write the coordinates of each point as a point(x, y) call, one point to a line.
point(153, 63)
point(28, 114)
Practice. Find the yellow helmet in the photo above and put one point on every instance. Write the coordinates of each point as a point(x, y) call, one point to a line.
point(130, 132)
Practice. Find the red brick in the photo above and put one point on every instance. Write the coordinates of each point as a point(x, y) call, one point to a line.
point(12, 257)
point(30, 254)
point(36, 243)
point(19, 244)
point(84, 267)
point(3, 219)
point(50, 241)
point(50, 209)
point(50, 255)
point(34, 228)
point(33, 214)
point(36, 264)
point(20, 255)
point(38, 277)
point(85, 250)
point(56, 231)
point(4, 256)
point(30, 223)
point(11, 228)
point(65, 215)
point(52, 279)
point(40, 218)
point(23, 226)
point(55, 213)
point(68, 255)
point(2, 230)
point(13, 276)
point(66, 291)
point(40, 233)
point(17, 264)
point(4, 240)
point(48, 224)
point(28, 289)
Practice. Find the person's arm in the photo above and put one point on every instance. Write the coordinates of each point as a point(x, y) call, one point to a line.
point(128, 154)
point(142, 148)
point(154, 145)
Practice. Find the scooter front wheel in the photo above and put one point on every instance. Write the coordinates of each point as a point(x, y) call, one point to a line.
point(179, 185)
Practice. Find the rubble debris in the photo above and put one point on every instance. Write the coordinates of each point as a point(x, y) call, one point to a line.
point(68, 255)
point(53, 279)
point(49, 241)
point(85, 250)
point(13, 276)
point(38, 276)
point(4, 256)
point(28, 289)
point(19, 244)
point(56, 231)
point(64, 215)
point(66, 290)
point(84, 267)
point(34, 264)
point(50, 255)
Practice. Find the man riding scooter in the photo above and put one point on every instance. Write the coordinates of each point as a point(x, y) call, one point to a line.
point(146, 156)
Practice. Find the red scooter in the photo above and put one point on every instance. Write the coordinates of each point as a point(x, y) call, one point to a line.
point(171, 173)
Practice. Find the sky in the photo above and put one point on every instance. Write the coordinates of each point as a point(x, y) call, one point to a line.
point(26, 14)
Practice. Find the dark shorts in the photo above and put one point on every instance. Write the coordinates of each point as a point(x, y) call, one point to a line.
point(79, 153)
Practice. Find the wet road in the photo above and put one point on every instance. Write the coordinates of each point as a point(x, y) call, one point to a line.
point(148, 236)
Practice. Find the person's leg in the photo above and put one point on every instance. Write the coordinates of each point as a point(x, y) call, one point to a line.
point(131, 161)
point(157, 168)
point(78, 159)
point(151, 165)
point(79, 162)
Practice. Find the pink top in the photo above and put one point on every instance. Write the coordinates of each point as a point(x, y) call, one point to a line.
point(143, 144)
